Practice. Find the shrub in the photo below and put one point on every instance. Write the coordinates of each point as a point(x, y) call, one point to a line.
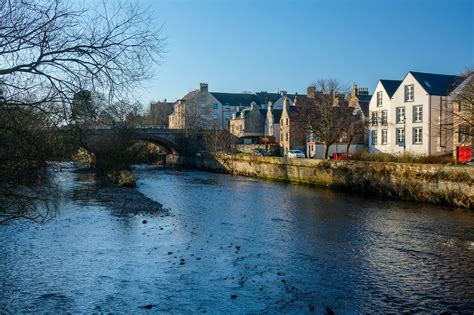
point(402, 158)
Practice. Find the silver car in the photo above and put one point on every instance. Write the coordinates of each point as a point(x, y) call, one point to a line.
point(295, 154)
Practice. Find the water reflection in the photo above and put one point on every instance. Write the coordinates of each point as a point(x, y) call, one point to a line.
point(277, 247)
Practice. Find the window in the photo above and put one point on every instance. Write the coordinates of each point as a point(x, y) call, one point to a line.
point(384, 136)
point(400, 135)
point(417, 135)
point(400, 115)
point(287, 121)
point(373, 118)
point(417, 113)
point(463, 106)
point(227, 116)
point(374, 137)
point(214, 116)
point(379, 99)
point(463, 134)
point(384, 117)
point(286, 137)
point(409, 93)
point(203, 116)
point(215, 106)
point(203, 105)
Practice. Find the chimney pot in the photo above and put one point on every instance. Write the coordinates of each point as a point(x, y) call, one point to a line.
point(204, 87)
point(311, 91)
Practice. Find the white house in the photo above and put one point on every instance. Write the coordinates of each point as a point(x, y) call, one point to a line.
point(408, 115)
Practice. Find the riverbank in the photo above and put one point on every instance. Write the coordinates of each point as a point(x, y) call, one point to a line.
point(431, 183)
point(123, 200)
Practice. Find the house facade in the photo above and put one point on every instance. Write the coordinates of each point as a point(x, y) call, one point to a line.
point(207, 110)
point(272, 121)
point(249, 122)
point(292, 126)
point(410, 115)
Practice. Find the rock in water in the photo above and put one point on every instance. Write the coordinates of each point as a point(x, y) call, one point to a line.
point(147, 306)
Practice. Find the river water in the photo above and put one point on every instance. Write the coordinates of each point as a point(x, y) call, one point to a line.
point(238, 245)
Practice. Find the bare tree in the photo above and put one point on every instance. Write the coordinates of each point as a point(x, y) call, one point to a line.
point(52, 51)
point(327, 119)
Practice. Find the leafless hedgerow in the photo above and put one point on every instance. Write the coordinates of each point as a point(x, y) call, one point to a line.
point(49, 52)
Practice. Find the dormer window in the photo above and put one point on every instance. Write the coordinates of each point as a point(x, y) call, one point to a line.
point(409, 93)
point(379, 99)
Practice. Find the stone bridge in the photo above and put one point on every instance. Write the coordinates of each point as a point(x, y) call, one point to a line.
point(167, 138)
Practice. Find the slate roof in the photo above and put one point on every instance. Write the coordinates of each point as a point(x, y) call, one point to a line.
point(390, 86)
point(437, 84)
point(264, 97)
point(364, 101)
point(277, 115)
point(235, 99)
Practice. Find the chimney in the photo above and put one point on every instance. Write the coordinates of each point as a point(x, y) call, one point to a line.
point(311, 91)
point(355, 90)
point(204, 87)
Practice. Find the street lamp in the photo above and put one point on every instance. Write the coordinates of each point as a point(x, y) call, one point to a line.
point(404, 120)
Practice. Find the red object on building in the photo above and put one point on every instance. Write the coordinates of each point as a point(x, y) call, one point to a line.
point(339, 156)
point(464, 154)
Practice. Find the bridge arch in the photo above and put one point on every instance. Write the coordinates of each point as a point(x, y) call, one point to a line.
point(167, 144)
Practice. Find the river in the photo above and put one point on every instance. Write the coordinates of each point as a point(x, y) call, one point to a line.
point(238, 245)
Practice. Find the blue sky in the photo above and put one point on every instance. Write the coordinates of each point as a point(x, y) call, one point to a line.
point(265, 45)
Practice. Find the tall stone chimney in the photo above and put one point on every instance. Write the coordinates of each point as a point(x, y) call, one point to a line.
point(355, 90)
point(204, 87)
point(311, 91)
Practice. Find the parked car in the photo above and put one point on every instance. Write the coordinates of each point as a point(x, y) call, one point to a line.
point(295, 154)
point(260, 152)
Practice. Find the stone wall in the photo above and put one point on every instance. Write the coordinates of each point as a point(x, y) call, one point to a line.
point(438, 184)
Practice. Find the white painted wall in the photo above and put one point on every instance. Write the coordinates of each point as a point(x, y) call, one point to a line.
point(432, 143)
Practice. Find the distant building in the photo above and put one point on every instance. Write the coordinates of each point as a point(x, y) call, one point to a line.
point(262, 118)
point(292, 125)
point(411, 115)
point(272, 121)
point(204, 109)
point(358, 100)
point(160, 112)
point(249, 123)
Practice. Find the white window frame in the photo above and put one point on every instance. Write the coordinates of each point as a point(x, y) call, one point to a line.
point(384, 117)
point(379, 99)
point(409, 93)
point(214, 116)
point(384, 136)
point(373, 137)
point(399, 112)
point(215, 106)
point(418, 113)
point(400, 135)
point(417, 135)
point(374, 118)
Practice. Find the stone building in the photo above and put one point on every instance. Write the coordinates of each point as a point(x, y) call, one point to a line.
point(159, 113)
point(272, 121)
point(292, 125)
point(204, 109)
point(249, 123)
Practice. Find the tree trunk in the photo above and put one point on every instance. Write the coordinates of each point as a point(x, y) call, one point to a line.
point(326, 151)
point(349, 145)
